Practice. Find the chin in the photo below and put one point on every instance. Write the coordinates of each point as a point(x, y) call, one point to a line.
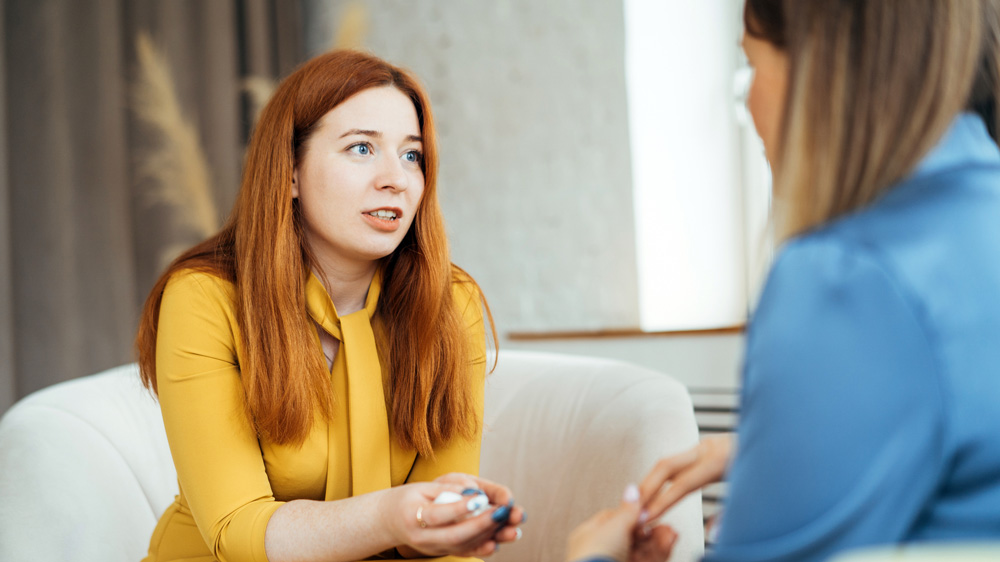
point(378, 253)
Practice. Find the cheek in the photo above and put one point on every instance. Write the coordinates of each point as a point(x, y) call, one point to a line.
point(416, 191)
point(757, 104)
point(765, 105)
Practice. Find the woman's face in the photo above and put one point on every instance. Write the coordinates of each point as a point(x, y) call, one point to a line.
point(766, 99)
point(360, 180)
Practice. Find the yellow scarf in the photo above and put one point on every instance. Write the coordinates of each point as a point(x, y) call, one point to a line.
point(357, 376)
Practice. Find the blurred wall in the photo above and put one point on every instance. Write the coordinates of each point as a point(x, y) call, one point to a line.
point(535, 180)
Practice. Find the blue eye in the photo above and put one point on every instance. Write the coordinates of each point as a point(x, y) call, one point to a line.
point(413, 156)
point(362, 149)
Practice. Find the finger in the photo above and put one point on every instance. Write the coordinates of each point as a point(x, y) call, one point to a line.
point(662, 540)
point(624, 516)
point(502, 535)
point(508, 534)
point(663, 470)
point(595, 521)
point(458, 533)
point(498, 494)
point(431, 490)
point(476, 542)
point(438, 514)
point(513, 521)
point(517, 516)
point(684, 483)
point(656, 546)
point(458, 478)
point(487, 536)
point(483, 550)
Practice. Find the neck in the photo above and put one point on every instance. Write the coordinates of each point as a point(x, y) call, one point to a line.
point(347, 285)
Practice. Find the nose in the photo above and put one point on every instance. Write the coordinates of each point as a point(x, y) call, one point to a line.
point(392, 175)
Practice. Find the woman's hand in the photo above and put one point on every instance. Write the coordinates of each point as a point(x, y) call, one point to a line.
point(499, 496)
point(617, 533)
point(675, 477)
point(423, 528)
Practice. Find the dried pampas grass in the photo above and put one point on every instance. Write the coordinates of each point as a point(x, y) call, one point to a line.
point(175, 174)
point(258, 90)
point(352, 28)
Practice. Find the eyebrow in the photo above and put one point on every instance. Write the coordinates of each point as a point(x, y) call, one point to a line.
point(378, 135)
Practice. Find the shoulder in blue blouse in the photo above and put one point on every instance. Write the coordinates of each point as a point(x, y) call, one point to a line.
point(871, 390)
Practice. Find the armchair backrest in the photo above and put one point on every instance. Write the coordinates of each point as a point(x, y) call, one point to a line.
point(568, 433)
point(85, 471)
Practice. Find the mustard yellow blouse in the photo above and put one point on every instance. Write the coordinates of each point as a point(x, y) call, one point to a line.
point(231, 481)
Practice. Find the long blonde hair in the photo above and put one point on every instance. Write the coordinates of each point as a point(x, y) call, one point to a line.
point(872, 87)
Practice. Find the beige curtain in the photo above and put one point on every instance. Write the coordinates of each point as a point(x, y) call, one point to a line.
point(81, 238)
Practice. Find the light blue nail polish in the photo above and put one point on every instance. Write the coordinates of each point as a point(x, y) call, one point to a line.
point(501, 514)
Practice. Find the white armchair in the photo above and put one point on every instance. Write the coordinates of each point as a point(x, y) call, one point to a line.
point(85, 470)
point(568, 433)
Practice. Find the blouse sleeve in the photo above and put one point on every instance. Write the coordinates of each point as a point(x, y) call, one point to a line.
point(219, 464)
point(840, 441)
point(462, 455)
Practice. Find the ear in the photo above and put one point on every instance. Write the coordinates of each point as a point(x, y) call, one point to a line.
point(295, 183)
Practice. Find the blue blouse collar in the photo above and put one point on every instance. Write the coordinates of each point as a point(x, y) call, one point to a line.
point(965, 142)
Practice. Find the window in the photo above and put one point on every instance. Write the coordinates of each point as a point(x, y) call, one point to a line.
point(701, 184)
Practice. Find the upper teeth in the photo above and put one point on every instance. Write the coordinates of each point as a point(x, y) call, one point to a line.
point(383, 214)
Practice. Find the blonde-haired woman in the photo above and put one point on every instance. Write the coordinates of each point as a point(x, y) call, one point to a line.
point(320, 362)
point(871, 386)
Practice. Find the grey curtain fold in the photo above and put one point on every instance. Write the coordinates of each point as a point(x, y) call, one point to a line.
point(8, 387)
point(81, 240)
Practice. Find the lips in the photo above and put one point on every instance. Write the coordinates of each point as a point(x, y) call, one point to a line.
point(385, 219)
point(386, 213)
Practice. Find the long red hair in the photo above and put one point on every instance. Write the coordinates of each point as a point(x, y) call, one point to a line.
point(423, 338)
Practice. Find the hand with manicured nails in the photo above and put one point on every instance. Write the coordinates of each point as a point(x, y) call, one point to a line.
point(452, 528)
point(507, 511)
point(675, 477)
point(619, 533)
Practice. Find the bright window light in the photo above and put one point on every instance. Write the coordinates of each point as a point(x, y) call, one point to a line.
point(696, 171)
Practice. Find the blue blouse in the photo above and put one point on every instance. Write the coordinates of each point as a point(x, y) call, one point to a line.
point(871, 384)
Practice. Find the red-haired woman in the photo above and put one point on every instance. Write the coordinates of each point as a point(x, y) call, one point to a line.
point(320, 362)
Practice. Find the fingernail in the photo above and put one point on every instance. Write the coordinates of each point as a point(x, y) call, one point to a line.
point(646, 531)
point(643, 516)
point(524, 516)
point(478, 502)
point(631, 494)
point(518, 534)
point(501, 513)
point(510, 503)
point(471, 492)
